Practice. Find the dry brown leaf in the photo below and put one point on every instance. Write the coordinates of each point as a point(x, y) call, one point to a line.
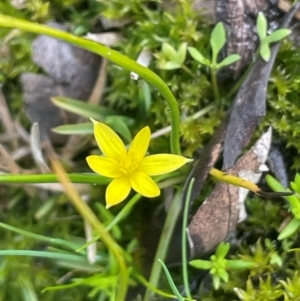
point(216, 219)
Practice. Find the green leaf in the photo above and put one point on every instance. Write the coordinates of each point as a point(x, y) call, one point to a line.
point(290, 228)
point(223, 275)
point(82, 108)
point(277, 35)
point(261, 26)
point(217, 40)
point(216, 281)
point(277, 186)
point(265, 51)
point(201, 264)
point(296, 184)
point(169, 52)
point(169, 65)
point(171, 282)
point(181, 53)
point(240, 293)
point(276, 259)
point(239, 264)
point(297, 180)
point(145, 99)
point(222, 250)
point(119, 126)
point(197, 56)
point(74, 129)
point(228, 60)
point(294, 187)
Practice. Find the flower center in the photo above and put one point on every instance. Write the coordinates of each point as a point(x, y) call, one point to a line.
point(128, 163)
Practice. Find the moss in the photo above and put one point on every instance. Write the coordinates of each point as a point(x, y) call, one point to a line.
point(277, 274)
point(283, 98)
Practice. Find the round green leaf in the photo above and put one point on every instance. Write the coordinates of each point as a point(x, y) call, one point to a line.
point(216, 281)
point(222, 250)
point(277, 35)
point(265, 51)
point(201, 264)
point(197, 56)
point(223, 275)
point(228, 61)
point(217, 39)
point(261, 26)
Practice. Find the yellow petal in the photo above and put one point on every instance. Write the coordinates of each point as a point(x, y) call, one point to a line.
point(144, 185)
point(155, 165)
point(117, 191)
point(104, 166)
point(108, 141)
point(140, 143)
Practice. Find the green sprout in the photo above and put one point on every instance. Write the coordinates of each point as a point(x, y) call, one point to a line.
point(294, 204)
point(266, 40)
point(217, 42)
point(218, 265)
point(184, 253)
point(174, 59)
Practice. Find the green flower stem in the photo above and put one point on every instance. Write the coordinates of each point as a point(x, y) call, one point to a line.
point(184, 239)
point(163, 244)
point(115, 57)
point(238, 84)
point(52, 178)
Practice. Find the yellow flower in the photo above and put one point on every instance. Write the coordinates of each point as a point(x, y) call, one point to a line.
point(129, 168)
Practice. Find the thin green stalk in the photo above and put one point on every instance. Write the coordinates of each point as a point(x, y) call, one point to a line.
point(214, 82)
point(112, 55)
point(237, 85)
point(27, 288)
point(143, 281)
point(164, 243)
point(52, 178)
point(121, 215)
point(200, 113)
point(187, 70)
point(241, 80)
point(184, 239)
point(171, 282)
